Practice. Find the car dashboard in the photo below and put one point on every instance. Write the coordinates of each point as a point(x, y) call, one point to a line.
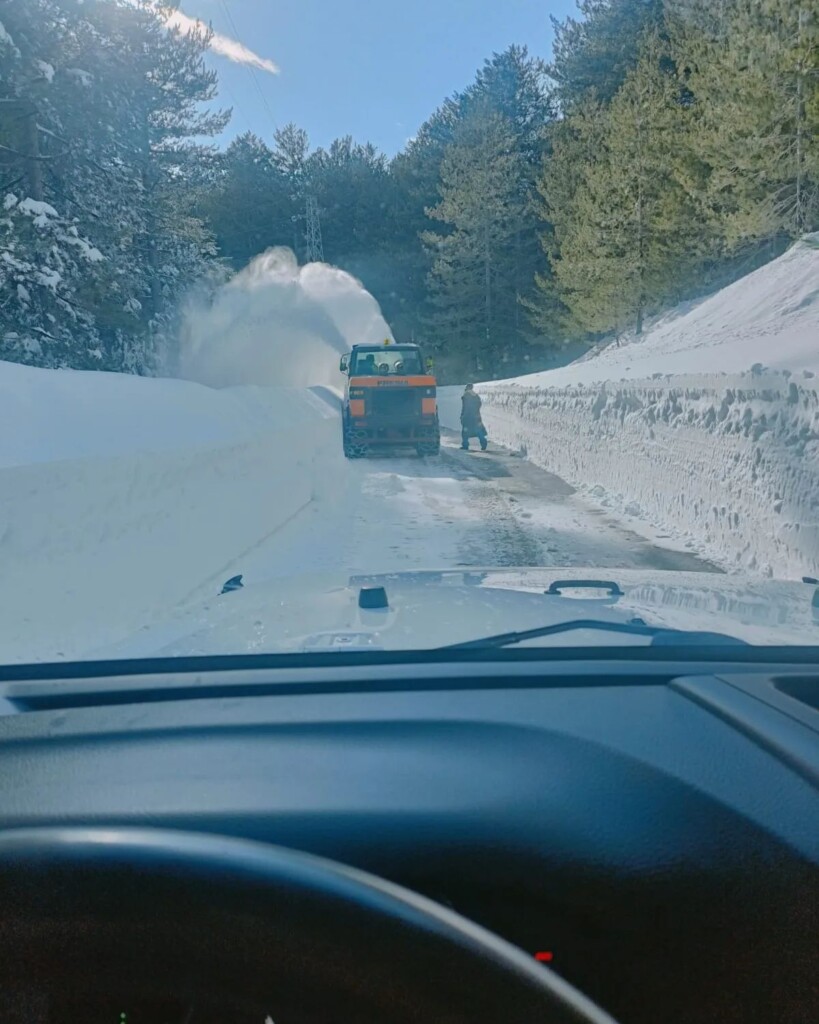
point(645, 824)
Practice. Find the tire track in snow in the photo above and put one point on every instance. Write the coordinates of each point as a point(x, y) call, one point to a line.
point(504, 540)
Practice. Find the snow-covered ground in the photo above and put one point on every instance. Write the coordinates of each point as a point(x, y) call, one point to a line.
point(125, 503)
point(706, 428)
point(121, 497)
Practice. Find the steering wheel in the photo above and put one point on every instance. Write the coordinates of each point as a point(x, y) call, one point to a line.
point(158, 914)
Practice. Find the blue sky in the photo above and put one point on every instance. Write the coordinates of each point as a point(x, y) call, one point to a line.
point(374, 70)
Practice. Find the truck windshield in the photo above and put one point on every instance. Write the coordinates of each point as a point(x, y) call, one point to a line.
point(386, 361)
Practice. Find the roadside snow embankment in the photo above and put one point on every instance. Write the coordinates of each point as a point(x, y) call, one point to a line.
point(122, 497)
point(707, 427)
point(731, 466)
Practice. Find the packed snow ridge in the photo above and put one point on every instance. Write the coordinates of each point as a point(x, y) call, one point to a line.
point(707, 426)
point(122, 498)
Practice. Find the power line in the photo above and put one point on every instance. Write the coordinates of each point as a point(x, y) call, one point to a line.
point(252, 71)
point(236, 106)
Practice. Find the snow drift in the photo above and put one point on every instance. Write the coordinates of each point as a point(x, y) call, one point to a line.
point(708, 427)
point(123, 497)
point(276, 323)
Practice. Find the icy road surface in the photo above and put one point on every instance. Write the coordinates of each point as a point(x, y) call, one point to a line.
point(399, 512)
point(395, 513)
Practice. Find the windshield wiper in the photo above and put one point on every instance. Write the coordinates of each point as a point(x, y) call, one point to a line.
point(661, 636)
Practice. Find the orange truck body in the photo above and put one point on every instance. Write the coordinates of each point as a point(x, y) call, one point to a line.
point(388, 400)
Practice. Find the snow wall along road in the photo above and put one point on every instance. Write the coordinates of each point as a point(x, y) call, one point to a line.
point(726, 460)
point(731, 468)
point(121, 498)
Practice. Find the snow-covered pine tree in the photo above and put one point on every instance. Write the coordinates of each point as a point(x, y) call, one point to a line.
point(118, 98)
point(45, 270)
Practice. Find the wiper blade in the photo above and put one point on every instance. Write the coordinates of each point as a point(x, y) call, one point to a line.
point(660, 635)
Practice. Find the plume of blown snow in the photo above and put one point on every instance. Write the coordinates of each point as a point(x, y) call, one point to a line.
point(278, 324)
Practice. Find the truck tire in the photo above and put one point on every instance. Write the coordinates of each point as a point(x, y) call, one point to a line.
point(353, 449)
point(429, 448)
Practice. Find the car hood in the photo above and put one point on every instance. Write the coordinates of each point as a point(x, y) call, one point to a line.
point(435, 608)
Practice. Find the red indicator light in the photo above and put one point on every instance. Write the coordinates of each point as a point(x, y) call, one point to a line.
point(544, 957)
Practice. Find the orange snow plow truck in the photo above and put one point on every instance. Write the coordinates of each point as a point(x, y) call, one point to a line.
point(390, 399)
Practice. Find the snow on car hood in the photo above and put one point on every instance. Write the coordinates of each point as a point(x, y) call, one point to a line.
point(435, 608)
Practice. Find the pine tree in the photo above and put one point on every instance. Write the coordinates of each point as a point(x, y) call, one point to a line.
point(591, 56)
point(473, 269)
point(416, 173)
point(172, 162)
point(291, 149)
point(753, 72)
point(633, 241)
point(511, 85)
point(251, 208)
point(576, 144)
point(45, 260)
point(118, 101)
point(351, 184)
point(46, 268)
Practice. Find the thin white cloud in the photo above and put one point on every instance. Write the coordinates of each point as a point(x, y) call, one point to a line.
point(223, 45)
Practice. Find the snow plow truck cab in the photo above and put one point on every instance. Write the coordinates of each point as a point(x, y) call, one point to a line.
point(390, 399)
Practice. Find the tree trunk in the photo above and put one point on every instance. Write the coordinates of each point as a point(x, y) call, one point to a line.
point(31, 147)
point(638, 329)
point(21, 116)
point(487, 258)
point(800, 218)
point(516, 345)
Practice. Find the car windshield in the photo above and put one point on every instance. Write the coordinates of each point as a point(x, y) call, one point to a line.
point(386, 361)
point(328, 327)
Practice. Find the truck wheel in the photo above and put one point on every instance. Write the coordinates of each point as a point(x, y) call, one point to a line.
point(353, 450)
point(429, 448)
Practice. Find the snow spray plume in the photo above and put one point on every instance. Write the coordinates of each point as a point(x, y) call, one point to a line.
point(276, 323)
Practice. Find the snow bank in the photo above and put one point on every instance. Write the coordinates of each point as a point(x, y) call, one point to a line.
point(708, 427)
point(50, 415)
point(731, 466)
point(122, 497)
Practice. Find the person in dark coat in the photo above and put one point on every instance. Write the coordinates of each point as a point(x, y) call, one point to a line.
point(471, 422)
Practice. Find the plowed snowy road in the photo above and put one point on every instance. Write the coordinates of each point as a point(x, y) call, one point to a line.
point(460, 509)
point(110, 532)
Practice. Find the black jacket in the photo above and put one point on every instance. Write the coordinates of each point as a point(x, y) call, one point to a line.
point(471, 410)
